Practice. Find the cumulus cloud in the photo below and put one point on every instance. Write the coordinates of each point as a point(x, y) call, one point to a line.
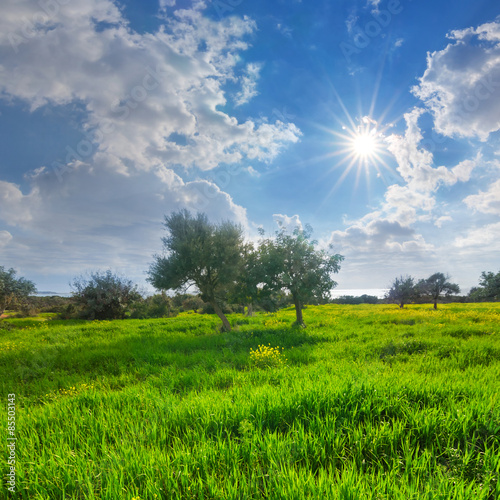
point(461, 85)
point(151, 103)
point(374, 5)
point(288, 223)
point(415, 164)
point(487, 236)
point(487, 202)
point(460, 89)
point(98, 217)
point(248, 84)
point(139, 89)
point(444, 218)
point(380, 237)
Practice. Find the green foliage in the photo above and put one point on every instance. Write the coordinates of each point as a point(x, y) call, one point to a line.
point(14, 291)
point(104, 295)
point(373, 402)
point(402, 291)
point(193, 304)
point(436, 285)
point(155, 306)
point(199, 253)
point(362, 299)
point(248, 289)
point(291, 263)
point(54, 303)
point(489, 287)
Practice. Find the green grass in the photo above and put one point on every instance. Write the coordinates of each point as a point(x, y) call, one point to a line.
point(373, 402)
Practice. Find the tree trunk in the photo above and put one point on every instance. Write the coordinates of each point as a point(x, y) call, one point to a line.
point(225, 323)
point(249, 309)
point(435, 304)
point(401, 306)
point(298, 310)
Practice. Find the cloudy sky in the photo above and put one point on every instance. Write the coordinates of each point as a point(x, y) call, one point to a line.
point(375, 121)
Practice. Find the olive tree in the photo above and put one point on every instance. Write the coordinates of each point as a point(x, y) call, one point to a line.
point(402, 291)
point(436, 285)
point(248, 289)
point(292, 263)
point(13, 290)
point(199, 253)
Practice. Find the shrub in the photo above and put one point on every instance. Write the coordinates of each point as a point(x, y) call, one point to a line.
point(156, 306)
point(104, 295)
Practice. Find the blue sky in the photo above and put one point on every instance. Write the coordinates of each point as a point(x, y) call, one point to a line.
point(377, 122)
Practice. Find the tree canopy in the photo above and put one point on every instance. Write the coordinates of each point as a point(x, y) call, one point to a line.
point(199, 253)
point(436, 285)
point(13, 290)
point(489, 287)
point(402, 290)
point(292, 263)
point(104, 295)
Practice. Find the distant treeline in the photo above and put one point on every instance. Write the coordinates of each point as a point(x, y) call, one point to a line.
point(162, 305)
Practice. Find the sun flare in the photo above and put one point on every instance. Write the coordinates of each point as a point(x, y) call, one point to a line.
point(364, 144)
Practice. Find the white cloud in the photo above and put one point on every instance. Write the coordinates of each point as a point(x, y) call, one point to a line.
point(487, 202)
point(415, 164)
point(284, 30)
point(374, 4)
point(351, 22)
point(444, 218)
point(288, 223)
point(379, 238)
point(16, 207)
point(5, 237)
point(166, 3)
point(249, 84)
point(151, 103)
point(460, 89)
point(101, 218)
point(253, 172)
point(461, 85)
point(139, 89)
point(487, 236)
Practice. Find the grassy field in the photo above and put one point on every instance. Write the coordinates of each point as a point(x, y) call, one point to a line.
point(367, 402)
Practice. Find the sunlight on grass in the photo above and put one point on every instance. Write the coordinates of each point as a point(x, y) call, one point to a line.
point(366, 402)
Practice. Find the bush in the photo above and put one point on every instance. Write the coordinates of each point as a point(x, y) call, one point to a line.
point(156, 306)
point(350, 299)
point(14, 292)
point(54, 303)
point(104, 295)
point(193, 303)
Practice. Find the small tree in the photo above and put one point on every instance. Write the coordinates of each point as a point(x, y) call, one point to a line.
point(104, 295)
point(248, 289)
point(193, 304)
point(155, 306)
point(13, 290)
point(199, 253)
point(489, 287)
point(437, 284)
point(292, 263)
point(402, 290)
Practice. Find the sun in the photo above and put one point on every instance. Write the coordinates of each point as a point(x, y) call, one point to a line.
point(364, 145)
point(360, 149)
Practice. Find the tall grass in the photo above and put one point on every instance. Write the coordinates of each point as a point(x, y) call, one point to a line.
point(373, 402)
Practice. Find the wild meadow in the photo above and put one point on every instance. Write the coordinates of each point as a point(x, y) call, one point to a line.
point(367, 402)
